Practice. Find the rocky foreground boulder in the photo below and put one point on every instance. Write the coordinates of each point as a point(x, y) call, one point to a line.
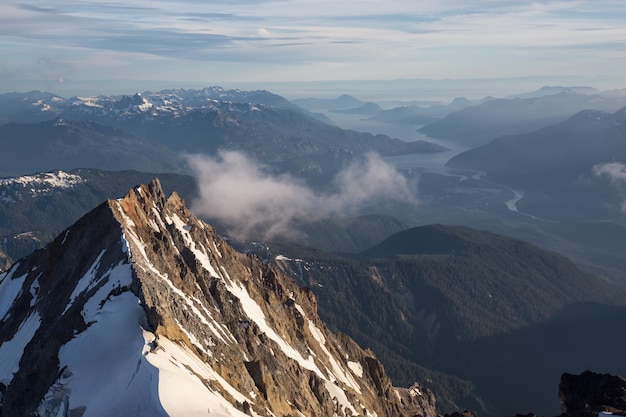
point(590, 393)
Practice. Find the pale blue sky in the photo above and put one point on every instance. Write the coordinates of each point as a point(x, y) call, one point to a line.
point(250, 41)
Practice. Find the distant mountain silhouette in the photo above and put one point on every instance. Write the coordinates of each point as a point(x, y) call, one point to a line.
point(548, 90)
point(554, 166)
point(148, 132)
point(66, 144)
point(344, 101)
point(478, 125)
point(422, 115)
point(367, 109)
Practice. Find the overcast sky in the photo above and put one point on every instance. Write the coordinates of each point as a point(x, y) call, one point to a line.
point(213, 42)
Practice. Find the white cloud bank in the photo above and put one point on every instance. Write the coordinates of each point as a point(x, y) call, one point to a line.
point(615, 171)
point(242, 196)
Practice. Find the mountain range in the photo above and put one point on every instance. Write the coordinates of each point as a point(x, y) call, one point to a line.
point(162, 126)
point(477, 125)
point(140, 309)
point(66, 145)
point(414, 299)
point(559, 168)
point(485, 321)
point(343, 102)
point(471, 313)
point(367, 109)
point(424, 115)
point(36, 208)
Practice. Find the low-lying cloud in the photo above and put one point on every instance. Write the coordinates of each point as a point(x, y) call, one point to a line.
point(244, 197)
point(616, 173)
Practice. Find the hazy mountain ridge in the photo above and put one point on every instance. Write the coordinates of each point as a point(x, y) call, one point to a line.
point(172, 122)
point(457, 380)
point(367, 109)
point(36, 208)
point(64, 144)
point(478, 125)
point(554, 166)
point(548, 90)
point(406, 113)
point(345, 101)
point(37, 105)
point(160, 316)
point(425, 294)
point(424, 115)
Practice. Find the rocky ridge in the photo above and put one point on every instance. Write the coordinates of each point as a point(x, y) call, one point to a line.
point(590, 393)
point(141, 309)
point(166, 103)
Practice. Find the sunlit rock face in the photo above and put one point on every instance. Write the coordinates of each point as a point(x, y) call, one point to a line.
point(142, 309)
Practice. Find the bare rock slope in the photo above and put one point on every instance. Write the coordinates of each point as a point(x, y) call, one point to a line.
point(142, 309)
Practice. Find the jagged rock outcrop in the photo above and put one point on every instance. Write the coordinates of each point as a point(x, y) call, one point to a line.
point(589, 393)
point(142, 309)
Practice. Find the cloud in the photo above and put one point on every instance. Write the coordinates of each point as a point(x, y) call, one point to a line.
point(263, 33)
point(245, 198)
point(323, 39)
point(616, 173)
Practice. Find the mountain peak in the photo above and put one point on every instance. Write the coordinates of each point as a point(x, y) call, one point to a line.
point(141, 309)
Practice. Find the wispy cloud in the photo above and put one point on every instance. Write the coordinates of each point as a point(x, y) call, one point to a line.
point(251, 202)
point(393, 39)
point(614, 171)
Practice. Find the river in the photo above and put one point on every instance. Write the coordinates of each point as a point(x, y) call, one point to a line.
point(426, 162)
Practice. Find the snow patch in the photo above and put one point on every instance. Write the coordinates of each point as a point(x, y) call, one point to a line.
point(338, 371)
point(84, 284)
point(10, 289)
point(190, 302)
point(67, 232)
point(255, 313)
point(11, 350)
point(111, 347)
point(340, 396)
point(184, 393)
point(193, 339)
point(201, 256)
point(117, 277)
point(41, 183)
point(356, 368)
point(87, 101)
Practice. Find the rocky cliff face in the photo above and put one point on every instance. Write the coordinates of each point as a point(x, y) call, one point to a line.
point(141, 309)
point(590, 393)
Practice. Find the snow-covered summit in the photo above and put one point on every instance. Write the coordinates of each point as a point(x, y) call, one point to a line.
point(141, 309)
point(38, 184)
point(166, 103)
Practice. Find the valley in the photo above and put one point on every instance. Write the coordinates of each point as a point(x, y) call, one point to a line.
point(283, 208)
point(465, 196)
point(482, 272)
